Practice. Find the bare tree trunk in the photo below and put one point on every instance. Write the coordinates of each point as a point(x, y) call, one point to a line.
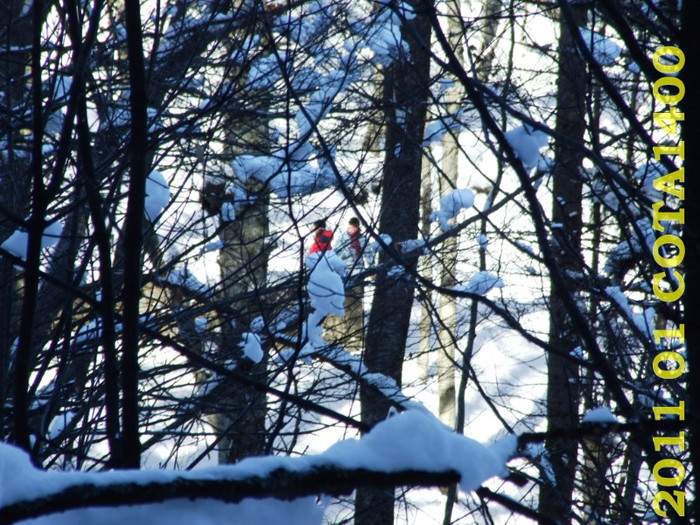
point(563, 381)
point(133, 236)
point(447, 335)
point(447, 348)
point(243, 264)
point(426, 325)
point(406, 94)
point(15, 186)
point(243, 260)
point(35, 229)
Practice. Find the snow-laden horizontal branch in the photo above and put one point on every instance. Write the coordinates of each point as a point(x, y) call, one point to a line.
point(411, 448)
point(282, 484)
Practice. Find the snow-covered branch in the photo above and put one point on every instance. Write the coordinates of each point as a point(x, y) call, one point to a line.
point(411, 448)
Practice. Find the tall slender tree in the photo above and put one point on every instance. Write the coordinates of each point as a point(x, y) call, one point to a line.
point(567, 187)
point(406, 89)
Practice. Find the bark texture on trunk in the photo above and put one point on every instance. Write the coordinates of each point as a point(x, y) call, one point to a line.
point(406, 95)
point(562, 376)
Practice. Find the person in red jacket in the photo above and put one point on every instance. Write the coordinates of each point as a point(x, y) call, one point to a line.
point(322, 238)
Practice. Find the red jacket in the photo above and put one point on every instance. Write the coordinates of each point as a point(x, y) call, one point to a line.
point(322, 241)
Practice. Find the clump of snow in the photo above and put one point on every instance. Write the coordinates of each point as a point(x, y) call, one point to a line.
point(417, 440)
point(544, 165)
point(375, 246)
point(16, 243)
point(527, 143)
point(537, 453)
point(386, 42)
point(200, 324)
point(578, 353)
point(604, 50)
point(450, 205)
point(157, 195)
point(328, 88)
point(621, 197)
point(282, 175)
point(396, 271)
point(265, 70)
point(344, 359)
point(90, 331)
point(646, 174)
point(252, 347)
point(525, 247)
point(599, 415)
point(435, 131)
point(261, 167)
point(185, 278)
point(228, 212)
point(59, 423)
point(631, 248)
point(326, 290)
point(481, 283)
point(644, 322)
point(211, 246)
point(406, 10)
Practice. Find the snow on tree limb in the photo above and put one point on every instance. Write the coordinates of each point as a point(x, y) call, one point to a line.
point(410, 448)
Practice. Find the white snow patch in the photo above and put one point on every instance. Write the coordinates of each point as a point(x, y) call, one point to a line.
point(450, 205)
point(578, 353)
point(326, 291)
point(60, 422)
point(374, 246)
point(481, 283)
point(228, 212)
point(604, 50)
point(600, 415)
point(527, 143)
point(157, 195)
point(16, 243)
point(252, 347)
